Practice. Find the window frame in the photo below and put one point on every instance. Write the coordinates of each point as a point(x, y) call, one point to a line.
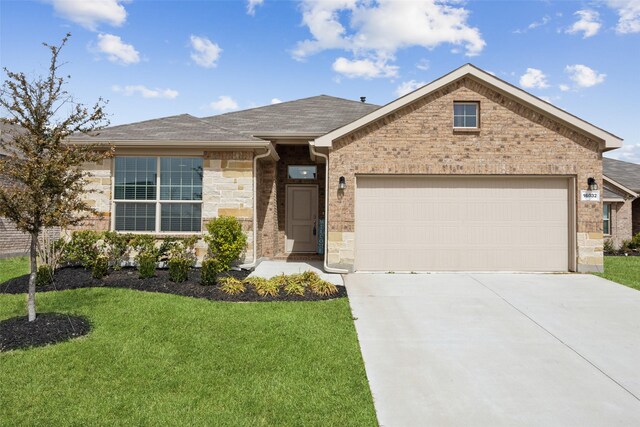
point(315, 177)
point(606, 207)
point(476, 104)
point(157, 201)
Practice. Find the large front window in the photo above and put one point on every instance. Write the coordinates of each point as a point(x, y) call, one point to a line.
point(606, 218)
point(176, 207)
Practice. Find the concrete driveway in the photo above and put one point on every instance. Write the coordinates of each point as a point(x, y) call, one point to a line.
point(499, 349)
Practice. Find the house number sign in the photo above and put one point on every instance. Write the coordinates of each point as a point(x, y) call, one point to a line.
point(590, 195)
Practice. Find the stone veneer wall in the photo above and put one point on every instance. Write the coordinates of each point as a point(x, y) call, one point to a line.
point(99, 197)
point(419, 139)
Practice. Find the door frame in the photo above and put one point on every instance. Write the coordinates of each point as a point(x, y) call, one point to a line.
point(286, 215)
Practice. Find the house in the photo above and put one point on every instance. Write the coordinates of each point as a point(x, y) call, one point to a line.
point(465, 173)
point(621, 207)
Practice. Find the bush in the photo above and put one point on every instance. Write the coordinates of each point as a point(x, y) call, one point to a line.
point(179, 269)
point(635, 242)
point(116, 248)
point(323, 288)
point(146, 264)
point(264, 287)
point(294, 285)
point(625, 247)
point(226, 240)
point(209, 271)
point(82, 248)
point(231, 285)
point(100, 266)
point(44, 275)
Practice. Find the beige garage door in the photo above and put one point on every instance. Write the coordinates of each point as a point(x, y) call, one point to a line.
point(462, 224)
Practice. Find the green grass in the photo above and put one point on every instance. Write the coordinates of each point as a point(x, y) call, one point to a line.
point(623, 270)
point(157, 359)
point(13, 267)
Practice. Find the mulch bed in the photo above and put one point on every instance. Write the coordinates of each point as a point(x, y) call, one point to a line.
point(77, 277)
point(48, 328)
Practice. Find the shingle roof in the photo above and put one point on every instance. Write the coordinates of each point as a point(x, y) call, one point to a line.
point(183, 127)
point(625, 173)
point(608, 194)
point(316, 115)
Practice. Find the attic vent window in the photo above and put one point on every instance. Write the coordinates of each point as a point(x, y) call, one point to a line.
point(465, 115)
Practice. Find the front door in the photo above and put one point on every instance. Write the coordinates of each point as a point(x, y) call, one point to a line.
point(302, 216)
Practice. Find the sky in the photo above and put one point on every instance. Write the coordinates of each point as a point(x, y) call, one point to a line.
point(155, 58)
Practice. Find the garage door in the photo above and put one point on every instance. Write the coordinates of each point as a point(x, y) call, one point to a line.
point(412, 223)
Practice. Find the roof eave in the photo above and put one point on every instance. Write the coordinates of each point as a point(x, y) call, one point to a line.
point(616, 184)
point(608, 140)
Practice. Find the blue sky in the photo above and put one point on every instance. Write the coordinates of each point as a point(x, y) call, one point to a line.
point(154, 58)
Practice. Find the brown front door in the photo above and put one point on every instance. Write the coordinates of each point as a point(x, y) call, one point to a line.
point(302, 216)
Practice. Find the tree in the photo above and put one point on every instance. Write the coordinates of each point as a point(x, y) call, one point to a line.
point(44, 171)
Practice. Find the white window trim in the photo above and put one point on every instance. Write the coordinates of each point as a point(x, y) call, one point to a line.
point(610, 220)
point(475, 104)
point(158, 202)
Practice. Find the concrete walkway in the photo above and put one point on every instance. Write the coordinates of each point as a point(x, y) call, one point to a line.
point(499, 349)
point(268, 269)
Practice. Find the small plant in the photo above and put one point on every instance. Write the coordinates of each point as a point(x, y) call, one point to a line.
point(208, 272)
point(323, 288)
point(294, 284)
point(146, 265)
point(179, 269)
point(50, 251)
point(635, 242)
point(83, 248)
point(147, 254)
point(226, 240)
point(100, 266)
point(44, 275)
point(264, 287)
point(625, 247)
point(181, 253)
point(608, 247)
point(230, 285)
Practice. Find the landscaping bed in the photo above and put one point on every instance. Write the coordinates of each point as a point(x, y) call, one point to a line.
point(78, 277)
point(48, 328)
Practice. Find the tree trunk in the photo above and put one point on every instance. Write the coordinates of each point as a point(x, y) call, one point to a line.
point(31, 297)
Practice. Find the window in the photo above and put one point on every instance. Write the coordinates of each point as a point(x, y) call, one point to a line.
point(465, 114)
point(606, 218)
point(302, 172)
point(139, 206)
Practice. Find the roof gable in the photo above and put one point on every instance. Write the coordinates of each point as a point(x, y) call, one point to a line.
point(624, 174)
point(609, 141)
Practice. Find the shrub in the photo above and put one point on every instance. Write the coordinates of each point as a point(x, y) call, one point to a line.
point(635, 242)
point(100, 266)
point(144, 243)
point(226, 240)
point(116, 247)
point(209, 271)
point(264, 287)
point(625, 247)
point(82, 248)
point(44, 275)
point(294, 285)
point(179, 269)
point(146, 264)
point(608, 247)
point(51, 251)
point(324, 288)
point(232, 286)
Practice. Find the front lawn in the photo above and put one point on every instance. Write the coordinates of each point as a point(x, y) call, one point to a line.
point(624, 270)
point(158, 359)
point(13, 267)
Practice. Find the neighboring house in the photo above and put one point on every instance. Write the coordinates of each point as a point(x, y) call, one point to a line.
point(465, 173)
point(12, 241)
point(621, 208)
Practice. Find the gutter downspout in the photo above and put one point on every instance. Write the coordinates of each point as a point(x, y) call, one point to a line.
point(326, 211)
point(270, 151)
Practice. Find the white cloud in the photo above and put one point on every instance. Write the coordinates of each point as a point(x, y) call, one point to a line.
point(251, 6)
point(275, 101)
point(564, 87)
point(205, 53)
point(533, 78)
point(90, 13)
point(628, 153)
point(408, 86)
point(145, 92)
point(373, 31)
point(116, 50)
point(365, 68)
point(588, 23)
point(535, 24)
point(584, 76)
point(423, 65)
point(224, 103)
point(628, 15)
